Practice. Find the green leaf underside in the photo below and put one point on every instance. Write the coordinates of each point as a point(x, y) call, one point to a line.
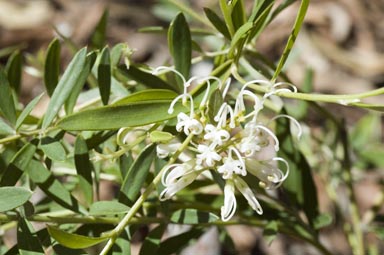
point(147, 95)
point(74, 241)
point(136, 176)
point(107, 208)
point(27, 110)
point(114, 117)
point(12, 197)
point(5, 129)
point(52, 187)
point(65, 86)
point(53, 149)
point(52, 66)
point(193, 216)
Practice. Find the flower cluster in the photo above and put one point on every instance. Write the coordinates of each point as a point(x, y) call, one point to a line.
point(234, 143)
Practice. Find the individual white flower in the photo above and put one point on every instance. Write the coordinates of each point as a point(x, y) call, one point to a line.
point(255, 137)
point(222, 114)
point(229, 207)
point(215, 135)
point(164, 149)
point(188, 124)
point(243, 187)
point(207, 155)
point(270, 175)
point(232, 166)
point(176, 177)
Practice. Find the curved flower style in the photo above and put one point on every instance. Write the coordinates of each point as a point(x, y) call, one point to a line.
point(236, 142)
point(179, 176)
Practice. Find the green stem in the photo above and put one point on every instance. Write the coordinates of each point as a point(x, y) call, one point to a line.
point(139, 202)
point(339, 99)
point(356, 237)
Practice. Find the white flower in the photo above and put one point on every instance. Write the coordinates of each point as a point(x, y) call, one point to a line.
point(243, 187)
point(232, 166)
point(179, 176)
point(255, 137)
point(215, 135)
point(164, 149)
point(207, 155)
point(229, 207)
point(189, 124)
point(269, 174)
point(221, 116)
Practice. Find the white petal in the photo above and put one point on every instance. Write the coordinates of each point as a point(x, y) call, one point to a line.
point(229, 207)
point(243, 187)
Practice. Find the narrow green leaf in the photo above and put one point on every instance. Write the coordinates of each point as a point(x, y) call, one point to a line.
point(116, 52)
point(180, 45)
point(52, 66)
point(214, 104)
point(299, 185)
point(14, 70)
point(176, 243)
point(239, 36)
point(152, 241)
point(7, 105)
point(193, 216)
point(260, 18)
point(66, 84)
point(136, 176)
point(114, 117)
point(147, 95)
point(238, 14)
point(76, 90)
point(27, 110)
point(18, 164)
point(53, 148)
point(74, 241)
point(12, 197)
point(217, 22)
point(107, 208)
point(51, 186)
point(99, 35)
point(292, 38)
point(104, 75)
point(27, 240)
point(5, 129)
point(84, 168)
point(145, 78)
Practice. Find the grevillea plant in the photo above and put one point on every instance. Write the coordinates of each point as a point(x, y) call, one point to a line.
point(224, 147)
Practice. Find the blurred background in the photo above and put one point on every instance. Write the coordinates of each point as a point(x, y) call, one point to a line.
point(342, 41)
